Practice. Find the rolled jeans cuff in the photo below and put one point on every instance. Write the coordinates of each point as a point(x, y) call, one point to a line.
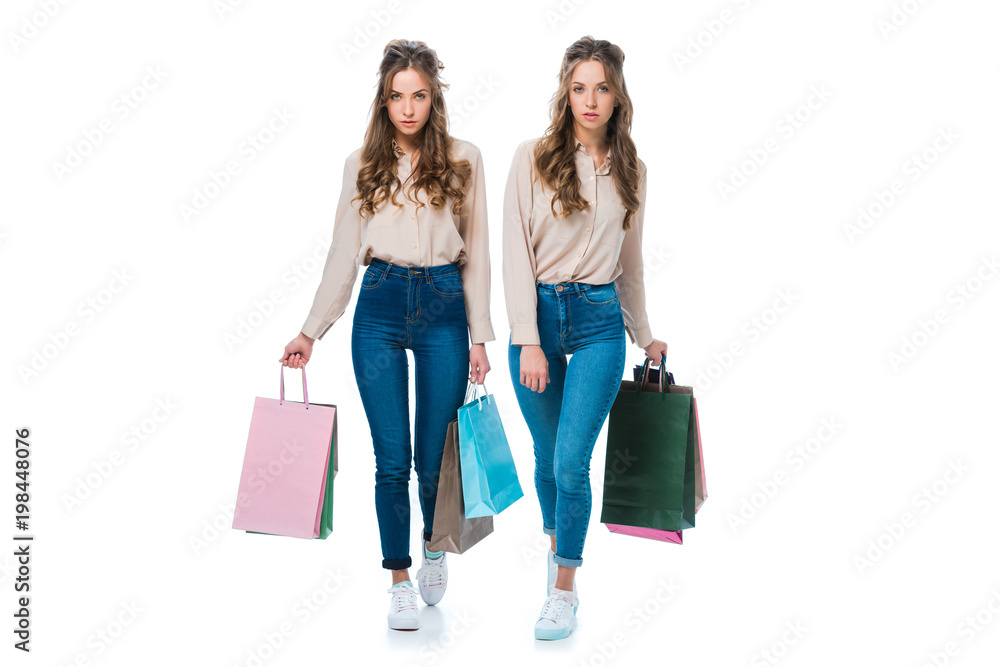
point(567, 562)
point(548, 531)
point(397, 564)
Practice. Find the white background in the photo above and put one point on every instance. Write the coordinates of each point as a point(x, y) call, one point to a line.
point(826, 551)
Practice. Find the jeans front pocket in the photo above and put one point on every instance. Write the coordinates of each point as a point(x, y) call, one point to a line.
point(447, 284)
point(373, 278)
point(600, 295)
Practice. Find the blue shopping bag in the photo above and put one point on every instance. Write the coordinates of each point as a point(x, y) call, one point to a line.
point(489, 478)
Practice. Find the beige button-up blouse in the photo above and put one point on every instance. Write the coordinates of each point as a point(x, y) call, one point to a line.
point(408, 236)
point(589, 246)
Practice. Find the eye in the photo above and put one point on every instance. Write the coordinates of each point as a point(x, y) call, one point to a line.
point(421, 96)
point(394, 96)
point(604, 89)
point(577, 89)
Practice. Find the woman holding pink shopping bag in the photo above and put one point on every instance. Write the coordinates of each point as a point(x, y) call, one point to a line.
point(572, 269)
point(413, 210)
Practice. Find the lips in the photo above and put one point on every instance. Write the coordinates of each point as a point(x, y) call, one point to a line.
point(590, 115)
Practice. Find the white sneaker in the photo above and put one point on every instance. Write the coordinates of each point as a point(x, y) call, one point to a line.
point(557, 618)
point(553, 573)
point(403, 608)
point(432, 578)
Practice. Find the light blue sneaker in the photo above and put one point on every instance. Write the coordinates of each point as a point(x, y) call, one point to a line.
point(557, 618)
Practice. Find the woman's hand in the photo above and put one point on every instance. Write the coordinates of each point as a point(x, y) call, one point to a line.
point(655, 351)
point(534, 368)
point(298, 351)
point(479, 365)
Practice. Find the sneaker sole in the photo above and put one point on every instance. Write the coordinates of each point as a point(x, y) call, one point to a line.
point(403, 624)
point(429, 599)
point(563, 633)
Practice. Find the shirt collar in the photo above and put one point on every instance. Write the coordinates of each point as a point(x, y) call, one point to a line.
point(605, 167)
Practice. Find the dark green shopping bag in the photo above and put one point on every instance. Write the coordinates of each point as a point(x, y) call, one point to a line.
point(649, 479)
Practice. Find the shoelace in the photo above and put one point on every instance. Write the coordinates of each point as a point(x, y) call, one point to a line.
point(555, 606)
point(403, 597)
point(432, 573)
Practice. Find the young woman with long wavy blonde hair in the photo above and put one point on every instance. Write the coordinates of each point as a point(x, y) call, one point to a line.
point(572, 269)
point(413, 210)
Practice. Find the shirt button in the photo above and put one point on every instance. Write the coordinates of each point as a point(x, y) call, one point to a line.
point(591, 178)
point(586, 229)
point(565, 277)
point(413, 217)
point(414, 245)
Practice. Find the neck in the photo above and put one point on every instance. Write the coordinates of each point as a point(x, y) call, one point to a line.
point(409, 143)
point(592, 140)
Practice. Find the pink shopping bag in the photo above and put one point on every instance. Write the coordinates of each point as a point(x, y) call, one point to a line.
point(286, 487)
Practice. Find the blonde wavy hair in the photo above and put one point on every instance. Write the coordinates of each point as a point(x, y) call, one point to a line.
point(438, 174)
point(555, 152)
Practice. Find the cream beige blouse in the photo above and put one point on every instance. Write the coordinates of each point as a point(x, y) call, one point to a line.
point(408, 236)
point(589, 246)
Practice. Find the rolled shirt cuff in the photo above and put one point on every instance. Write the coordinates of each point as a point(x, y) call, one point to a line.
point(315, 328)
point(481, 332)
point(524, 334)
point(641, 337)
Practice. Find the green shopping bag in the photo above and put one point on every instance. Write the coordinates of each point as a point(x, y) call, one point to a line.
point(649, 479)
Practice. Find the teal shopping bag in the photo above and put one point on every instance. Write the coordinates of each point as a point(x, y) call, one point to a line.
point(489, 478)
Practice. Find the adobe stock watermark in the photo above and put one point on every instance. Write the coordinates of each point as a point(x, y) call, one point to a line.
point(751, 332)
point(957, 298)
point(912, 170)
point(635, 621)
point(223, 8)
point(923, 501)
point(263, 308)
point(795, 460)
point(246, 152)
point(122, 106)
point(966, 630)
point(300, 612)
point(780, 647)
point(711, 30)
point(459, 112)
point(432, 650)
point(899, 15)
point(8, 568)
point(561, 12)
point(32, 24)
point(787, 126)
point(370, 31)
point(40, 358)
point(212, 528)
point(131, 439)
point(108, 634)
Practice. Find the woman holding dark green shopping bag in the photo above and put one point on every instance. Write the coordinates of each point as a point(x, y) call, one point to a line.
point(413, 209)
point(572, 269)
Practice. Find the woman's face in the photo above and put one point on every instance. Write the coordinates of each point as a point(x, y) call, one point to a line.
point(409, 103)
point(590, 99)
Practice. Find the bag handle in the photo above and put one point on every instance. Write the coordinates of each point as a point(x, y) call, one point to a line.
point(644, 376)
point(305, 392)
point(472, 393)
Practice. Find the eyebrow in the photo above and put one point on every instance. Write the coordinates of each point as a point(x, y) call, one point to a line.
point(422, 90)
point(579, 83)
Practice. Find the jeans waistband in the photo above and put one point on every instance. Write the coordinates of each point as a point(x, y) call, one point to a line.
point(567, 287)
point(412, 271)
